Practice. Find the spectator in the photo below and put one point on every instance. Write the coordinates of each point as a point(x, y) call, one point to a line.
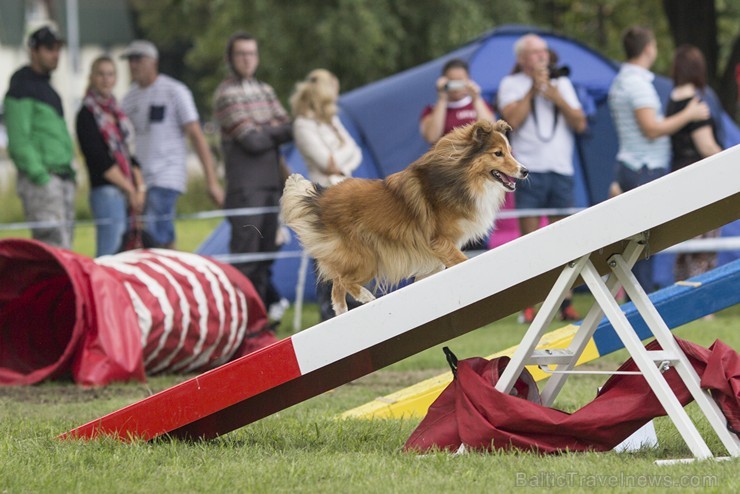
point(459, 102)
point(105, 134)
point(253, 126)
point(327, 148)
point(163, 113)
point(39, 143)
point(644, 143)
point(539, 102)
point(692, 142)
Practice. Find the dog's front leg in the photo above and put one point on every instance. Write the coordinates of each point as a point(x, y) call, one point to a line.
point(447, 252)
point(338, 297)
point(436, 270)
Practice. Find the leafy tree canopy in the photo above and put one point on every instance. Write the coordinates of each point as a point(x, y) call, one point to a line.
point(364, 40)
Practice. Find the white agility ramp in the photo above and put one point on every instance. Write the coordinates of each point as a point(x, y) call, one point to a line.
point(470, 295)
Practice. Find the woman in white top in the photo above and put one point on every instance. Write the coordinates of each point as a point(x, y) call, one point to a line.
point(327, 148)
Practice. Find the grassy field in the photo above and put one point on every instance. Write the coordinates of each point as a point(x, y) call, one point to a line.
point(307, 449)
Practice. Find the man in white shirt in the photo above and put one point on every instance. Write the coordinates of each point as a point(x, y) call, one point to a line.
point(644, 143)
point(163, 113)
point(544, 112)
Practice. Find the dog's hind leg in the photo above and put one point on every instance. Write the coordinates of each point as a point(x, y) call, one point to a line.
point(338, 297)
point(360, 293)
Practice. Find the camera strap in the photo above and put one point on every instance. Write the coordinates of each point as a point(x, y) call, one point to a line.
point(556, 115)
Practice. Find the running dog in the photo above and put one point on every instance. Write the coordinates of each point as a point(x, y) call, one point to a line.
point(411, 224)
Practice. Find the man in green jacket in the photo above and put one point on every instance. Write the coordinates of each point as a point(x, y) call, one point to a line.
point(39, 143)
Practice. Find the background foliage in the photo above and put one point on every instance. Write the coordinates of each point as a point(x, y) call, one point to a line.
point(365, 40)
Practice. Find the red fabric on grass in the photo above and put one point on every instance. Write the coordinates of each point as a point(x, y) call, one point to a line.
point(470, 411)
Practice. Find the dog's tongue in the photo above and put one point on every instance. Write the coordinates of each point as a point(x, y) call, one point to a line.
point(508, 180)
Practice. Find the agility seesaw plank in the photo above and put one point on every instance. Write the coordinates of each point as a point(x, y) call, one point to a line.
point(678, 304)
point(434, 310)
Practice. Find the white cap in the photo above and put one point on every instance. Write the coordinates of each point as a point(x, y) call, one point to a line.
point(141, 48)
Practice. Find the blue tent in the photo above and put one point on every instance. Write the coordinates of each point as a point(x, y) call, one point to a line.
point(384, 119)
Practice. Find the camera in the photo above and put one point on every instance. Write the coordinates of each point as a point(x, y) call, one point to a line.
point(556, 72)
point(454, 85)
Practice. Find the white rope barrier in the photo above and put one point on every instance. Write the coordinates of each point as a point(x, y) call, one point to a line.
point(720, 244)
point(689, 246)
point(256, 256)
point(220, 213)
point(227, 213)
point(525, 213)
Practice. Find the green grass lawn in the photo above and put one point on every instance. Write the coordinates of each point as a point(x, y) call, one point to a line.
point(307, 449)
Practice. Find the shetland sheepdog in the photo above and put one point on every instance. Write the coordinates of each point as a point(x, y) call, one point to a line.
point(410, 224)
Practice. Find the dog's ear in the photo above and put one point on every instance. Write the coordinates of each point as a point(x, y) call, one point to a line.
point(503, 127)
point(482, 130)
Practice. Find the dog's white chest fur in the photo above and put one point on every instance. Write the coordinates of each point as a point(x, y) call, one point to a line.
point(486, 205)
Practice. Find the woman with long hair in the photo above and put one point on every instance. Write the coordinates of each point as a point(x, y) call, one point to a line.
point(328, 149)
point(105, 136)
point(330, 153)
point(693, 142)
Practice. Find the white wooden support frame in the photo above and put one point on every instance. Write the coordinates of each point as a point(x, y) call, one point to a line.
point(606, 304)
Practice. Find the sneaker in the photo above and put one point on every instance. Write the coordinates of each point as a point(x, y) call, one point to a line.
point(526, 316)
point(277, 310)
point(569, 314)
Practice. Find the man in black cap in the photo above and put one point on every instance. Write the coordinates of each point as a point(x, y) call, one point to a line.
point(39, 143)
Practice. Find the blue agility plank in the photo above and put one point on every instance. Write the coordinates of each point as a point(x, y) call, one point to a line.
point(679, 304)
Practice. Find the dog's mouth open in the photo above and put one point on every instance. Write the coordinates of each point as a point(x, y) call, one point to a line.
point(508, 182)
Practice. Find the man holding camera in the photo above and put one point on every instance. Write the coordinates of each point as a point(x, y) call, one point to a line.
point(539, 102)
point(458, 103)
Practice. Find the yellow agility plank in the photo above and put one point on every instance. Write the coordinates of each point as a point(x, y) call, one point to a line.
point(414, 401)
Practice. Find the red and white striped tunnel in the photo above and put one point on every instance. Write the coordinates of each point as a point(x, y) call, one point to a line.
point(117, 318)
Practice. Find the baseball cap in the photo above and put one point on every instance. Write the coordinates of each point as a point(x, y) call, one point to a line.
point(141, 48)
point(45, 36)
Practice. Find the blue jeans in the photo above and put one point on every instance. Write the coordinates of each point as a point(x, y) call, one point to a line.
point(110, 211)
point(160, 215)
point(628, 179)
point(545, 190)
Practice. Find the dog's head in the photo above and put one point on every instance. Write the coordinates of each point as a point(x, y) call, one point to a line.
point(490, 153)
point(469, 161)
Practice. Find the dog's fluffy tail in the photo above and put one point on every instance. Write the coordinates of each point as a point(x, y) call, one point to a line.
point(298, 206)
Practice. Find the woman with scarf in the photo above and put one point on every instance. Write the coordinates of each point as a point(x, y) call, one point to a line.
point(116, 186)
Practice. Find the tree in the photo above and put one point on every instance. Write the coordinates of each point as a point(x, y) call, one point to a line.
point(359, 40)
point(365, 40)
point(696, 22)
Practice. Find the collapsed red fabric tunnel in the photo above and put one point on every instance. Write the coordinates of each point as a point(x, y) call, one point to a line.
point(471, 411)
point(118, 318)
